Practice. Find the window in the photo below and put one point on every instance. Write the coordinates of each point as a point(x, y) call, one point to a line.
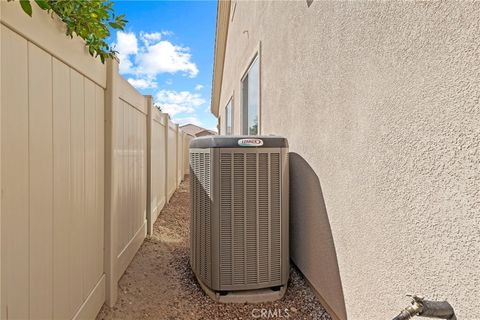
point(228, 118)
point(251, 99)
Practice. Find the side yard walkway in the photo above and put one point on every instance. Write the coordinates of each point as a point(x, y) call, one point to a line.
point(159, 283)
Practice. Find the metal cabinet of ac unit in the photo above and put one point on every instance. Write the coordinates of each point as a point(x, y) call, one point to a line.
point(239, 217)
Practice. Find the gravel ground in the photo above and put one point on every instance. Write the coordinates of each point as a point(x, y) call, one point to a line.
point(159, 283)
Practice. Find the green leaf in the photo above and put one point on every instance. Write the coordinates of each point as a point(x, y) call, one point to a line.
point(115, 25)
point(91, 20)
point(43, 4)
point(26, 6)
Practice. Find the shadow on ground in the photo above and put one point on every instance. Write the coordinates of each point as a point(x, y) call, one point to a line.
point(159, 283)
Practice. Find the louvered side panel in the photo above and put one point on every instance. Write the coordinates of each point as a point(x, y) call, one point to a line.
point(202, 252)
point(195, 209)
point(200, 166)
point(206, 194)
point(251, 218)
point(226, 195)
point(192, 209)
point(263, 218)
point(198, 213)
point(275, 217)
point(238, 218)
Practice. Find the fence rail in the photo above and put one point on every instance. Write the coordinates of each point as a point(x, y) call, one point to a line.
point(87, 163)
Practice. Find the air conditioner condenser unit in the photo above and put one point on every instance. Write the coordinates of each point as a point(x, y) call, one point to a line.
point(239, 217)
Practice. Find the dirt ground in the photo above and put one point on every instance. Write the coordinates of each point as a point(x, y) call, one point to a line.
point(159, 283)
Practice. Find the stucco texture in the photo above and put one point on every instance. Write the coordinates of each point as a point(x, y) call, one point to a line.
point(380, 102)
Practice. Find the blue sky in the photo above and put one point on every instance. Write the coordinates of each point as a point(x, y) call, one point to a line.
point(166, 50)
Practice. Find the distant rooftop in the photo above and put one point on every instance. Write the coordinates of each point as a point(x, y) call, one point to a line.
point(197, 131)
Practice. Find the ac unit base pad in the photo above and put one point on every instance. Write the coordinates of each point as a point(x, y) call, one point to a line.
point(245, 296)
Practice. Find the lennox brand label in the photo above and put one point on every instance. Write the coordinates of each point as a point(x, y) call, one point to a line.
point(250, 142)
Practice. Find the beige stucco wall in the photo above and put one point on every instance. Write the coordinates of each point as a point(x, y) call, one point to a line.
point(380, 102)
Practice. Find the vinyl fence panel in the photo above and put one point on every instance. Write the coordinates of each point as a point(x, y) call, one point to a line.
point(127, 221)
point(52, 155)
point(158, 127)
point(171, 159)
point(15, 177)
point(87, 164)
point(186, 160)
point(179, 156)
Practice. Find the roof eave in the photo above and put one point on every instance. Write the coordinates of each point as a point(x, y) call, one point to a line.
point(223, 17)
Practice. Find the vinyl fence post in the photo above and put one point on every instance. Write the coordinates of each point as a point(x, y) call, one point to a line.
point(149, 163)
point(177, 183)
point(111, 105)
point(165, 152)
point(1, 192)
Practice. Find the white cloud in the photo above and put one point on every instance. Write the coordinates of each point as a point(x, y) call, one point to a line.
point(151, 35)
point(175, 102)
point(208, 107)
point(126, 46)
point(186, 120)
point(143, 83)
point(173, 109)
point(152, 55)
point(180, 97)
point(148, 38)
point(166, 33)
point(198, 87)
point(126, 43)
point(165, 57)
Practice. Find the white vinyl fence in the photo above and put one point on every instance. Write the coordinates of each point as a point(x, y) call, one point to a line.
point(158, 127)
point(186, 160)
point(87, 163)
point(172, 143)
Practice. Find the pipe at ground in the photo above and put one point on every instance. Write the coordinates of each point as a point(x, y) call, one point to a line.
point(425, 308)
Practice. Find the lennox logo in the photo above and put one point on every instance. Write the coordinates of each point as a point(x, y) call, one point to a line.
point(250, 142)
